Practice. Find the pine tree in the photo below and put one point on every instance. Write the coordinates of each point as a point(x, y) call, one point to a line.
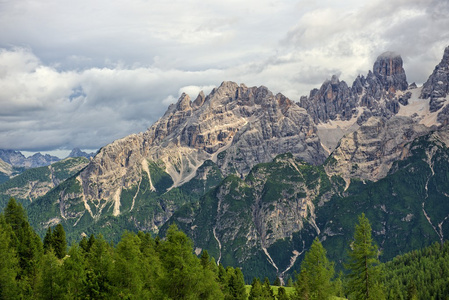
point(412, 292)
point(186, 278)
point(302, 289)
point(290, 282)
point(15, 215)
point(364, 274)
point(282, 294)
point(205, 258)
point(128, 269)
point(319, 272)
point(83, 244)
point(48, 240)
point(50, 284)
point(236, 285)
point(256, 291)
point(59, 242)
point(9, 263)
point(151, 265)
point(267, 290)
point(277, 282)
point(28, 247)
point(74, 273)
point(98, 271)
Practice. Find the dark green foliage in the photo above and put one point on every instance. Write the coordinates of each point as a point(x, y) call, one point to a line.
point(186, 278)
point(318, 273)
point(74, 273)
point(48, 240)
point(267, 291)
point(56, 241)
point(234, 286)
point(47, 175)
point(423, 274)
point(50, 284)
point(9, 263)
point(364, 273)
point(282, 294)
point(59, 241)
point(256, 292)
point(277, 282)
point(27, 245)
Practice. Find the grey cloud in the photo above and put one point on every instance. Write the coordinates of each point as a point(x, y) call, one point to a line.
point(91, 72)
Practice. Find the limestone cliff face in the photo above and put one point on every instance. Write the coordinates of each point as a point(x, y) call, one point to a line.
point(369, 152)
point(32, 184)
point(437, 89)
point(274, 202)
point(235, 126)
point(373, 95)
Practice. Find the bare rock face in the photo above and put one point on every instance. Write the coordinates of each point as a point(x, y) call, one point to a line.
point(373, 95)
point(437, 85)
point(17, 159)
point(369, 152)
point(388, 69)
point(333, 100)
point(235, 126)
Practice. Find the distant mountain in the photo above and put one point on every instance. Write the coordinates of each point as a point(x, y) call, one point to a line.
point(253, 177)
point(76, 152)
point(17, 159)
point(35, 182)
point(6, 170)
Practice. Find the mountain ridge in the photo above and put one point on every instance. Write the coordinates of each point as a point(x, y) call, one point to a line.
point(218, 167)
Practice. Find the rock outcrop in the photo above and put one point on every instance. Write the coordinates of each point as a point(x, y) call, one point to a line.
point(76, 152)
point(373, 95)
point(437, 89)
point(235, 126)
point(17, 159)
point(369, 152)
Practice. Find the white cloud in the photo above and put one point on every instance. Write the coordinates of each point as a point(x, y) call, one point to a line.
point(80, 74)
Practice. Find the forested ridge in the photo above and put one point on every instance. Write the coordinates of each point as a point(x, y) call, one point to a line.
point(141, 266)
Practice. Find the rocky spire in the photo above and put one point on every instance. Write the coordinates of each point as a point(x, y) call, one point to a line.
point(437, 86)
point(388, 69)
point(199, 100)
point(183, 102)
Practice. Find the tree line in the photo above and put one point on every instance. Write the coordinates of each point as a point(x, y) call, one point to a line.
point(138, 267)
point(141, 266)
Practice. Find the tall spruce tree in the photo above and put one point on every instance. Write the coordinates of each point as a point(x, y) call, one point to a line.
point(59, 242)
point(50, 285)
point(28, 246)
point(318, 273)
point(186, 278)
point(74, 273)
point(236, 285)
point(48, 240)
point(256, 291)
point(364, 280)
point(9, 263)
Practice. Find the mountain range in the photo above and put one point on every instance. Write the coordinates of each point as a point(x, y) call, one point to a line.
point(254, 177)
point(12, 163)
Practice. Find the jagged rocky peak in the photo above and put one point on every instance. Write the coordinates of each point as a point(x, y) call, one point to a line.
point(199, 101)
point(235, 126)
point(437, 85)
point(333, 100)
point(369, 152)
point(184, 102)
point(388, 69)
point(373, 95)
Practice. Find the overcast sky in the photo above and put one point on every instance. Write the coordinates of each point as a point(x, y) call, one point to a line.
point(84, 73)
